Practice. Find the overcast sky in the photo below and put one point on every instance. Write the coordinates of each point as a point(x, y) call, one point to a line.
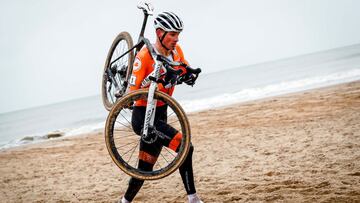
point(54, 50)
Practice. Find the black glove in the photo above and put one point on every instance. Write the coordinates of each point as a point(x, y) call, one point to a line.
point(169, 80)
point(188, 78)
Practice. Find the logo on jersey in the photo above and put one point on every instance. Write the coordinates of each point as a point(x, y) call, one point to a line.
point(137, 64)
point(132, 80)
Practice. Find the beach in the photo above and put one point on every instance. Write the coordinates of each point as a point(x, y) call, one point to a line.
point(299, 147)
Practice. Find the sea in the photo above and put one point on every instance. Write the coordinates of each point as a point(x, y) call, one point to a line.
point(212, 90)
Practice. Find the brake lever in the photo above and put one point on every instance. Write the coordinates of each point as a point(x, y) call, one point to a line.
point(196, 72)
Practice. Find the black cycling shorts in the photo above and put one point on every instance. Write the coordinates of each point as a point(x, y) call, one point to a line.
point(166, 135)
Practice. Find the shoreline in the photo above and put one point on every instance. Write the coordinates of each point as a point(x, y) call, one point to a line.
point(297, 147)
point(99, 130)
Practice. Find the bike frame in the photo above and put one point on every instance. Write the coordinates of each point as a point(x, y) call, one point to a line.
point(151, 102)
point(140, 42)
point(137, 47)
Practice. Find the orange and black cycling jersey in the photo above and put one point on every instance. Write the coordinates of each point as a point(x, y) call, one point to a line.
point(144, 65)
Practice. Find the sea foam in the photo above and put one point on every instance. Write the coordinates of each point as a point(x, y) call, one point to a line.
point(270, 90)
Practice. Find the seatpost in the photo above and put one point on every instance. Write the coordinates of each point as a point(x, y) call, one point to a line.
point(142, 29)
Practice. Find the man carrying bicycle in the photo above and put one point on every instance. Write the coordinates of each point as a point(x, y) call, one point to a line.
point(168, 27)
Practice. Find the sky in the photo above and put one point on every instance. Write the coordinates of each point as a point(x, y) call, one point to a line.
point(54, 51)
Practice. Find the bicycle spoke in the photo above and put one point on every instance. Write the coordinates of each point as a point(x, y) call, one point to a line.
point(133, 152)
point(122, 58)
point(164, 157)
point(120, 130)
point(131, 149)
point(124, 125)
point(128, 111)
point(158, 163)
point(111, 97)
point(109, 89)
point(173, 113)
point(172, 122)
point(122, 137)
point(125, 118)
point(129, 144)
point(123, 50)
point(170, 152)
point(118, 51)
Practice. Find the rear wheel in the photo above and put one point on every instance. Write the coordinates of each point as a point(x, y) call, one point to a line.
point(123, 143)
point(116, 73)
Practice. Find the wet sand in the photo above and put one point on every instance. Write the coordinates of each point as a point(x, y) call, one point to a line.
point(301, 147)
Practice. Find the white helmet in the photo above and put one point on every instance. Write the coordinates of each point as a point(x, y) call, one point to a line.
point(169, 22)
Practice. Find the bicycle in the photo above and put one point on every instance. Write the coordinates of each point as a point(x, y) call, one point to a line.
point(121, 140)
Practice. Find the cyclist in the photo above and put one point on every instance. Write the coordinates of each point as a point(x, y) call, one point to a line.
point(168, 27)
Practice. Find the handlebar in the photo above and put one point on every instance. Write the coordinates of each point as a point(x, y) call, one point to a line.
point(178, 73)
point(169, 64)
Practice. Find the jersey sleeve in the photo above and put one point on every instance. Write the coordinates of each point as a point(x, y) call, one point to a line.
point(181, 54)
point(182, 59)
point(138, 73)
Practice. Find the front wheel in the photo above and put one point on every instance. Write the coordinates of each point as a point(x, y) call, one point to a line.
point(123, 143)
point(117, 70)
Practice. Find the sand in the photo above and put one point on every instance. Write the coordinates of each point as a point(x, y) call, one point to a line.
point(302, 147)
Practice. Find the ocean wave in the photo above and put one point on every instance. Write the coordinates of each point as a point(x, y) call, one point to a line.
point(85, 129)
point(37, 138)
